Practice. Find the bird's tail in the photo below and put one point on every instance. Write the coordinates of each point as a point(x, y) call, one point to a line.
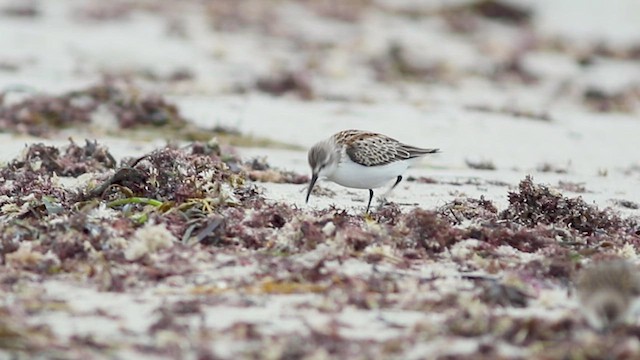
point(415, 151)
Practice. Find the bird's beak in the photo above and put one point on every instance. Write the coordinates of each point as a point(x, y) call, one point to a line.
point(314, 178)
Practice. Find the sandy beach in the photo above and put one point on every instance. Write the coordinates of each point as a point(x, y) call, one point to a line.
point(179, 228)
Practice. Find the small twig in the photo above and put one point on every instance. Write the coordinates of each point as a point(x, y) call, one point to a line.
point(455, 216)
point(120, 176)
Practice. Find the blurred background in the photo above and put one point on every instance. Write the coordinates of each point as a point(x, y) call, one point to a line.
point(465, 263)
point(526, 86)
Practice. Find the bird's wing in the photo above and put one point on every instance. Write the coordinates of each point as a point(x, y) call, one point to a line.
point(371, 149)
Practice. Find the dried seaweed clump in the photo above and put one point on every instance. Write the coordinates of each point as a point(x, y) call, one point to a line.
point(430, 231)
point(626, 100)
point(38, 213)
point(133, 109)
point(538, 204)
point(19, 9)
point(396, 63)
point(42, 115)
point(298, 83)
point(259, 170)
point(232, 15)
point(252, 229)
point(75, 161)
point(21, 187)
point(184, 192)
point(197, 192)
point(30, 177)
point(180, 174)
point(462, 209)
point(525, 240)
point(497, 10)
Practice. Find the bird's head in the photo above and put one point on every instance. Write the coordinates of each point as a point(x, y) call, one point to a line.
point(608, 308)
point(323, 160)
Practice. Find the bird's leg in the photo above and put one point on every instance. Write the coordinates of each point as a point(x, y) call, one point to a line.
point(397, 182)
point(383, 199)
point(370, 197)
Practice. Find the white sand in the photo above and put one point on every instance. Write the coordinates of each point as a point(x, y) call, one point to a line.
point(57, 54)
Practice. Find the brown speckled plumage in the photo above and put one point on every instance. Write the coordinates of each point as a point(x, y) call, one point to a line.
point(618, 275)
point(373, 149)
point(606, 291)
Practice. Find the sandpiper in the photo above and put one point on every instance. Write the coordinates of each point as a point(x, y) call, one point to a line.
point(607, 291)
point(362, 160)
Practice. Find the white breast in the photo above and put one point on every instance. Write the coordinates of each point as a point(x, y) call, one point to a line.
point(354, 175)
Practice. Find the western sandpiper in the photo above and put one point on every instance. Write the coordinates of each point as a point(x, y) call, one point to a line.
point(607, 292)
point(362, 160)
